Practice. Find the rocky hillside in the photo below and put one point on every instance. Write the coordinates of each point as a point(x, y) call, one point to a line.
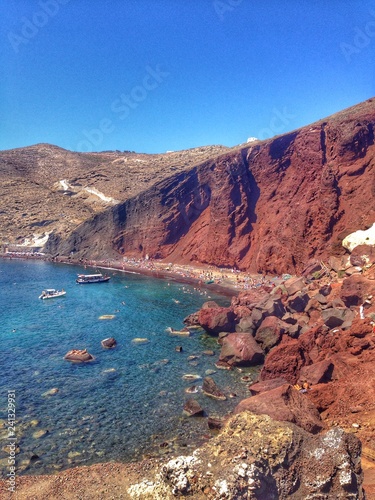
point(266, 206)
point(47, 189)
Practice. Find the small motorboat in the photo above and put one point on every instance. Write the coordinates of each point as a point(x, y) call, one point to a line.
point(51, 293)
point(92, 278)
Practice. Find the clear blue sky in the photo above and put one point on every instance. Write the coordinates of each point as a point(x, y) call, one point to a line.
point(157, 75)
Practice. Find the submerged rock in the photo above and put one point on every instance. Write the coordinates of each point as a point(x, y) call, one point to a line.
point(40, 433)
point(191, 376)
point(50, 392)
point(107, 316)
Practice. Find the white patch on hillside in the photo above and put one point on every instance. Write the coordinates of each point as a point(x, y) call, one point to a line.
point(359, 238)
point(65, 185)
point(100, 195)
point(37, 240)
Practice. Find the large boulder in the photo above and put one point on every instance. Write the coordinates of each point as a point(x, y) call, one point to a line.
point(334, 317)
point(297, 302)
point(355, 289)
point(339, 263)
point(285, 360)
point(216, 319)
point(246, 324)
point(270, 331)
point(295, 284)
point(240, 349)
point(287, 404)
point(318, 372)
point(266, 385)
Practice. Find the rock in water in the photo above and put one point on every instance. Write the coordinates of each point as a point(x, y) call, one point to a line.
point(109, 343)
point(79, 356)
point(210, 388)
point(192, 408)
point(139, 340)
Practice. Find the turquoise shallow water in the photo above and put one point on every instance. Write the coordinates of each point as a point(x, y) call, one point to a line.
point(129, 401)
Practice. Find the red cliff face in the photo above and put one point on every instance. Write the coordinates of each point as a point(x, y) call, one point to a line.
point(272, 206)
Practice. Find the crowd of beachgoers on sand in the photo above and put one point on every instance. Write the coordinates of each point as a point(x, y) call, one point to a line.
point(198, 273)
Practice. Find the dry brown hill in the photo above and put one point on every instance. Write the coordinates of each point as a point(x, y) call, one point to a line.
point(44, 188)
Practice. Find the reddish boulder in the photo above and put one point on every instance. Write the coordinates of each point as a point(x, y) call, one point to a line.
point(318, 372)
point(270, 331)
point(79, 356)
point(286, 404)
point(355, 290)
point(240, 349)
point(284, 360)
point(363, 256)
point(216, 319)
point(266, 385)
point(295, 284)
point(334, 317)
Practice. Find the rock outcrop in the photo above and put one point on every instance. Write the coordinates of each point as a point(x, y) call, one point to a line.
point(284, 403)
point(255, 457)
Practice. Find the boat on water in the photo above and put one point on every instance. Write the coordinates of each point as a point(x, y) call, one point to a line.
point(51, 293)
point(92, 278)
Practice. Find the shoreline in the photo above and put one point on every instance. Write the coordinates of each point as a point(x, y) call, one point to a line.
point(224, 281)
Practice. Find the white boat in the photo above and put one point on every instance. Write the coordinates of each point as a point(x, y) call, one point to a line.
point(92, 278)
point(51, 293)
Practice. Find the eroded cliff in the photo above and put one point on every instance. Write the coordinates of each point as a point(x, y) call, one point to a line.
point(271, 206)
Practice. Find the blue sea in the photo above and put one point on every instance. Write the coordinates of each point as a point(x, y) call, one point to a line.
point(128, 403)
